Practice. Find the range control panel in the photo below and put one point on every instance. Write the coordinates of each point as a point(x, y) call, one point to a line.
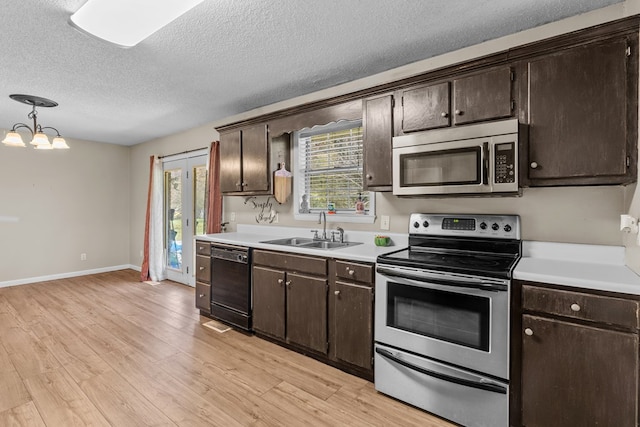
point(492, 226)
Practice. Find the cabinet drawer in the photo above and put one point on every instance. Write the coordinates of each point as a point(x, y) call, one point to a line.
point(203, 248)
point(203, 269)
point(203, 296)
point(297, 263)
point(354, 271)
point(583, 306)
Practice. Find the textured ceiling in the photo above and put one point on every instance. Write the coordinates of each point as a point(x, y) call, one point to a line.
point(229, 56)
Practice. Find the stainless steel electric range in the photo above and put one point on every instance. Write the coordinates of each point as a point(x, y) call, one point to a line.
point(442, 317)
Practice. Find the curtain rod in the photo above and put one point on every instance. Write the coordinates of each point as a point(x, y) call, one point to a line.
point(182, 152)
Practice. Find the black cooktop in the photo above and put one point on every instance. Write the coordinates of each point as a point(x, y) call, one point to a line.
point(471, 263)
point(476, 245)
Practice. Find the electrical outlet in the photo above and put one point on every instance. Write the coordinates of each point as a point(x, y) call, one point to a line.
point(384, 222)
point(232, 217)
point(83, 257)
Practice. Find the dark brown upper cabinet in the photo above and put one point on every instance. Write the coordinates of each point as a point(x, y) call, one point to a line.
point(426, 107)
point(244, 161)
point(582, 115)
point(377, 123)
point(484, 95)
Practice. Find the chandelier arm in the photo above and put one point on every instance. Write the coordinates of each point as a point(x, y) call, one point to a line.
point(40, 128)
point(22, 125)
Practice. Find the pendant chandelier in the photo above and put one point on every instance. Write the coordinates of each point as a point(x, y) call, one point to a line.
point(39, 139)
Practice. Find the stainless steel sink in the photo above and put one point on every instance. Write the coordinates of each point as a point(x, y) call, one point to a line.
point(291, 241)
point(329, 245)
point(306, 242)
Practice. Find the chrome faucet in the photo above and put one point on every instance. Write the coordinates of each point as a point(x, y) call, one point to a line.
point(323, 220)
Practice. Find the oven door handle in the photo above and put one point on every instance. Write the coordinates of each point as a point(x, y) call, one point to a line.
point(461, 381)
point(458, 282)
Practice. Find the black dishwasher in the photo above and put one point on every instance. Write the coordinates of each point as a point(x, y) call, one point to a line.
point(231, 285)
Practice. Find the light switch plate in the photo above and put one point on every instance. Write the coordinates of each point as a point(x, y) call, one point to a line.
point(232, 217)
point(384, 222)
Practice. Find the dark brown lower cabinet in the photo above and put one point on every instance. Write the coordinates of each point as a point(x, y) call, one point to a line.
point(578, 375)
point(307, 311)
point(269, 301)
point(317, 306)
point(579, 363)
point(290, 299)
point(353, 324)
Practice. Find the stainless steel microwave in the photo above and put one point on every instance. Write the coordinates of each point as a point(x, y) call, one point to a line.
point(467, 160)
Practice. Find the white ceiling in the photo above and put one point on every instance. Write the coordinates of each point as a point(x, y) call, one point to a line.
point(225, 57)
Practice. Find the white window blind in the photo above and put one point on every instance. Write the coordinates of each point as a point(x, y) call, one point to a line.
point(330, 162)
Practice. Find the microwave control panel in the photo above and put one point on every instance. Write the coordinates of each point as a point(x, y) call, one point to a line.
point(505, 163)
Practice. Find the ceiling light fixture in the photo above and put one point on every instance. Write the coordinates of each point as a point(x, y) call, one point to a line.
point(128, 22)
point(38, 137)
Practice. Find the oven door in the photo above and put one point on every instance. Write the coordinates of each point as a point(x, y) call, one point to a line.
point(457, 319)
point(442, 168)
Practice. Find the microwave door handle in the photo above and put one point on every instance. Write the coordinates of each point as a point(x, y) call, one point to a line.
point(461, 381)
point(457, 282)
point(485, 163)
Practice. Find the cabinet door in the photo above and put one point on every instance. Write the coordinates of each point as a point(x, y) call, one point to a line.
point(377, 120)
point(426, 107)
point(230, 162)
point(269, 301)
point(255, 159)
point(484, 96)
point(578, 114)
point(307, 311)
point(354, 323)
point(574, 375)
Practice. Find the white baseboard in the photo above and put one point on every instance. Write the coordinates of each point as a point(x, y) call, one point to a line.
point(67, 275)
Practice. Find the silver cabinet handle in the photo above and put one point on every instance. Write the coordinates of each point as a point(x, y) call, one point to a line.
point(458, 112)
point(238, 184)
point(443, 114)
point(528, 332)
point(575, 307)
point(336, 292)
point(201, 295)
point(244, 184)
point(201, 268)
point(288, 283)
point(280, 281)
point(369, 176)
point(351, 272)
point(533, 165)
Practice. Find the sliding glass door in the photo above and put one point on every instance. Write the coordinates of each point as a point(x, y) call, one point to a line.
point(184, 213)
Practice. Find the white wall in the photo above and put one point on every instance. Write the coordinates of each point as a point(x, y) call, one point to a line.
point(55, 205)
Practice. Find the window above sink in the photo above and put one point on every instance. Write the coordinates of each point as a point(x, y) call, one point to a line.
point(328, 171)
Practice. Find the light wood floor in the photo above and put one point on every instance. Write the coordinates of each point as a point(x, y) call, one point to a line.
point(108, 350)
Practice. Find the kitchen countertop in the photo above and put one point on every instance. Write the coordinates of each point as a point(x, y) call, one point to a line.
point(583, 266)
point(252, 236)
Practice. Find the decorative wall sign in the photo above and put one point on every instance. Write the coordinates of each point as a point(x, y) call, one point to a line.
point(266, 214)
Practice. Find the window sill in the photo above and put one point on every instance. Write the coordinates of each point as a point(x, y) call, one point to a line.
point(351, 218)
